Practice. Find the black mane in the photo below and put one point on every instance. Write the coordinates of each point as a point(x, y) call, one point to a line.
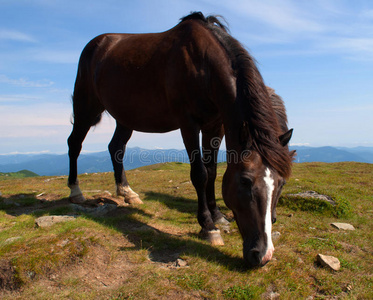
point(253, 97)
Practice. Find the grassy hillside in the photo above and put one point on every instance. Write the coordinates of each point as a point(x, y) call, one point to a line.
point(19, 174)
point(153, 251)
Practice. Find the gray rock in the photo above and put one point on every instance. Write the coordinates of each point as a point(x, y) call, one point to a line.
point(96, 211)
point(181, 263)
point(329, 261)
point(47, 221)
point(275, 235)
point(273, 296)
point(314, 195)
point(343, 226)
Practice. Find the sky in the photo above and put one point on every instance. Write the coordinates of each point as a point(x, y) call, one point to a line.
point(317, 55)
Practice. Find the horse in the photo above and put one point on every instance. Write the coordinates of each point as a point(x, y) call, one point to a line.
point(197, 78)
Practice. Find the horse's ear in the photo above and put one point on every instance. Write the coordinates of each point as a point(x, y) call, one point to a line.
point(245, 134)
point(285, 138)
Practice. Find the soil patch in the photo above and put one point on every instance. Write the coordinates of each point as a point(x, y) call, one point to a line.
point(8, 279)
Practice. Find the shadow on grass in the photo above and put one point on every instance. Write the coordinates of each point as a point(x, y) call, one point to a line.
point(178, 203)
point(163, 247)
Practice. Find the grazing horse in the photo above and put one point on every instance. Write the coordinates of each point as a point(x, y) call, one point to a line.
point(197, 78)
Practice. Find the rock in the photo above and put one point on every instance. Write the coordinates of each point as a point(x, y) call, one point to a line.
point(314, 195)
point(343, 226)
point(329, 261)
point(11, 202)
point(273, 296)
point(47, 221)
point(275, 235)
point(96, 211)
point(11, 240)
point(181, 263)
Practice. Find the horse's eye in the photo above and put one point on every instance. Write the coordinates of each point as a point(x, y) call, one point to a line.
point(246, 181)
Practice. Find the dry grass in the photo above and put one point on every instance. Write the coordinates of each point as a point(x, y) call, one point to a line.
point(130, 253)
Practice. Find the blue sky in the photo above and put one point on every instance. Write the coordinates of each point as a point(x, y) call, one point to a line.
point(318, 55)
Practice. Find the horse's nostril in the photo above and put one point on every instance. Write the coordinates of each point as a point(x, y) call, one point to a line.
point(274, 220)
point(254, 258)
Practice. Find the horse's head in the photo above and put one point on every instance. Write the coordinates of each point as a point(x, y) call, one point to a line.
point(251, 189)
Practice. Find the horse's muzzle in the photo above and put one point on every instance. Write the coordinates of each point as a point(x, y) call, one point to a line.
point(255, 258)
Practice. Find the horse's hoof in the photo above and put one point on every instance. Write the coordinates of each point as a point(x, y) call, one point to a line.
point(133, 200)
point(213, 236)
point(77, 199)
point(222, 221)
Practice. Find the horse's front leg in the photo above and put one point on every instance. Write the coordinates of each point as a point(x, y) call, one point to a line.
point(117, 149)
point(199, 177)
point(211, 140)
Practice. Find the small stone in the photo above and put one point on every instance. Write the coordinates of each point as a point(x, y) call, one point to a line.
point(349, 287)
point(274, 296)
point(107, 193)
point(329, 261)
point(63, 243)
point(11, 240)
point(275, 235)
point(343, 226)
point(290, 215)
point(181, 263)
point(47, 221)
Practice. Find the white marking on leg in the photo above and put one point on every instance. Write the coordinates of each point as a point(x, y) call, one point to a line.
point(126, 191)
point(75, 190)
point(267, 221)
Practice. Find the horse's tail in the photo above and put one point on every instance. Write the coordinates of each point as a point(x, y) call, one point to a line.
point(86, 104)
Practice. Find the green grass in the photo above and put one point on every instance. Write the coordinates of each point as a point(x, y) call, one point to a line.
point(19, 174)
point(129, 253)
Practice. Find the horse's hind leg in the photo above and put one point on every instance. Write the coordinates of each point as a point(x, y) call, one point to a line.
point(75, 140)
point(117, 148)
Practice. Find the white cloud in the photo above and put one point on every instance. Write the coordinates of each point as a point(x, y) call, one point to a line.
point(13, 35)
point(23, 82)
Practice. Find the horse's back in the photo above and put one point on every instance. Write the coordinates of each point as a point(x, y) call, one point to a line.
point(145, 78)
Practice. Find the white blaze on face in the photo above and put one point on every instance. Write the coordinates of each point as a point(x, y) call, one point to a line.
point(268, 215)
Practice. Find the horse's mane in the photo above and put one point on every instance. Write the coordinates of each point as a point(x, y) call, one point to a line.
point(279, 108)
point(258, 111)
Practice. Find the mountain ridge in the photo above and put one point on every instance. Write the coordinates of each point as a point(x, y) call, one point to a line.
point(57, 164)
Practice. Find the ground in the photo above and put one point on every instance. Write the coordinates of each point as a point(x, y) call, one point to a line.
point(153, 251)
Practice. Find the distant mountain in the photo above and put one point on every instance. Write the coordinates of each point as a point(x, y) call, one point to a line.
point(55, 164)
point(332, 154)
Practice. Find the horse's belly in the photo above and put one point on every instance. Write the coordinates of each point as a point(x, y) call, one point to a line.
point(145, 119)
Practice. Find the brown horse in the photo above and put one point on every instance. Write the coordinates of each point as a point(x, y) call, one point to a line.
point(197, 78)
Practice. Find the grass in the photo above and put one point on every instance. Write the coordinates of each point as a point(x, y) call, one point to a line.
point(130, 253)
point(19, 174)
